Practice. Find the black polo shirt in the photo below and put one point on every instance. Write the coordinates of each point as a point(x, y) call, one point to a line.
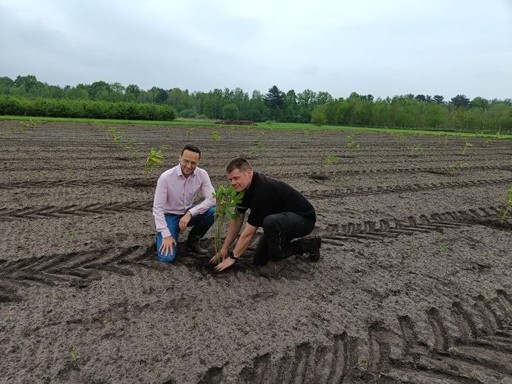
point(266, 196)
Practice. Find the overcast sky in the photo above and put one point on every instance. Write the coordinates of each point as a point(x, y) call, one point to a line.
point(378, 47)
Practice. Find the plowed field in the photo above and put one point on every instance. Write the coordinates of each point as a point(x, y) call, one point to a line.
point(414, 284)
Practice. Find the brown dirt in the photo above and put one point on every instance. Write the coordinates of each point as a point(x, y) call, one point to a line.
point(414, 283)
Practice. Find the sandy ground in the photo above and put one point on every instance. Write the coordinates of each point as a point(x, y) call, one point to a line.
point(414, 284)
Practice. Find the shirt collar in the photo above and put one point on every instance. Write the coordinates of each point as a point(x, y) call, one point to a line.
point(180, 172)
point(255, 178)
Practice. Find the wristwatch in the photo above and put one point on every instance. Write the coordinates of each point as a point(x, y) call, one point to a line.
point(232, 256)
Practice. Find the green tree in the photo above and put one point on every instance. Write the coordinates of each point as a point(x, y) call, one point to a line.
point(480, 102)
point(306, 103)
point(230, 112)
point(160, 96)
point(274, 100)
point(290, 108)
point(28, 84)
point(318, 117)
point(438, 99)
point(180, 100)
point(99, 90)
point(80, 92)
point(5, 85)
point(132, 92)
point(460, 101)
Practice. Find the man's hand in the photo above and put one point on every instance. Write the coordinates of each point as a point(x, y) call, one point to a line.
point(167, 244)
point(185, 220)
point(228, 262)
point(221, 255)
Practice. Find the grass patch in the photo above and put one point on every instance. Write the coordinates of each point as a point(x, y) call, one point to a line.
point(267, 126)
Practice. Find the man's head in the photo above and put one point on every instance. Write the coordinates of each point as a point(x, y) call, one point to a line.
point(239, 173)
point(189, 159)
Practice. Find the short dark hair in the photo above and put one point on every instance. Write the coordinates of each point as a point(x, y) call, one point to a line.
point(238, 163)
point(191, 147)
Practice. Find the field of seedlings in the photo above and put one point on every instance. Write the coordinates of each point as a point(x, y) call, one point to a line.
point(414, 283)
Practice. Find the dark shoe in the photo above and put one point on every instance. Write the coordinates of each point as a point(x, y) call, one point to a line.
point(312, 246)
point(194, 246)
point(272, 268)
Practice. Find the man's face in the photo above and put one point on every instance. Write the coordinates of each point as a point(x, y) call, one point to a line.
point(188, 162)
point(240, 180)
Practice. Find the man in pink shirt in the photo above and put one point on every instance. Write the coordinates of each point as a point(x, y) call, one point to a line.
point(174, 209)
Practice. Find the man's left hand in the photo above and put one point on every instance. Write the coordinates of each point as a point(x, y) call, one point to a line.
point(185, 220)
point(226, 263)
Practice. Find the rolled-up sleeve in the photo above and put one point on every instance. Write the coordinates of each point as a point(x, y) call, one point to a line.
point(159, 206)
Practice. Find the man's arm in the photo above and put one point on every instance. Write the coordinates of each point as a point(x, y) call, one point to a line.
point(244, 241)
point(168, 242)
point(158, 207)
point(233, 229)
point(209, 201)
point(241, 246)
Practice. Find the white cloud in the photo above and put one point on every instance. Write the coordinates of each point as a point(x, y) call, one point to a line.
point(369, 46)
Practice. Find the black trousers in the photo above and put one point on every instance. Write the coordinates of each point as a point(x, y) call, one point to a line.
point(278, 232)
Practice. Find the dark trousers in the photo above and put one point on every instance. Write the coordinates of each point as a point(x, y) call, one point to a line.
point(278, 232)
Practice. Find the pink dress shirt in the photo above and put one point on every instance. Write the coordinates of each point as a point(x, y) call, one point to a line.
point(175, 194)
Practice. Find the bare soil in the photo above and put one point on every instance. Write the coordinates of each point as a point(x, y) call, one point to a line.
point(414, 284)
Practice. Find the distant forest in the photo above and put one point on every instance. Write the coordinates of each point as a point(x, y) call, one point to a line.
point(28, 96)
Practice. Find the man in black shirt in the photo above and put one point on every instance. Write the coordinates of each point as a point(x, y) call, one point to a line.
point(284, 214)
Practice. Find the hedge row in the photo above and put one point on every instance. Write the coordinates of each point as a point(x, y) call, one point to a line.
point(84, 109)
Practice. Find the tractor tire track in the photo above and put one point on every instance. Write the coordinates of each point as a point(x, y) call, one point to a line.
point(76, 269)
point(122, 182)
point(367, 191)
point(376, 230)
point(111, 208)
point(150, 183)
point(51, 211)
point(72, 269)
point(396, 356)
point(126, 163)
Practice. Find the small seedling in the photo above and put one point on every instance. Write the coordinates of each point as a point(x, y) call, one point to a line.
point(416, 150)
point(458, 167)
point(73, 355)
point(191, 131)
point(155, 159)
point(330, 159)
point(28, 124)
point(467, 145)
point(351, 144)
point(114, 134)
point(23, 126)
point(215, 136)
point(506, 208)
point(327, 159)
point(130, 147)
point(227, 199)
point(258, 146)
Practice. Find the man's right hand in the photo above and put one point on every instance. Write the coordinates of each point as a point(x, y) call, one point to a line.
point(219, 256)
point(167, 244)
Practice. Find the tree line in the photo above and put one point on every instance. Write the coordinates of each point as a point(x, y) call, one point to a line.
point(409, 111)
point(26, 95)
